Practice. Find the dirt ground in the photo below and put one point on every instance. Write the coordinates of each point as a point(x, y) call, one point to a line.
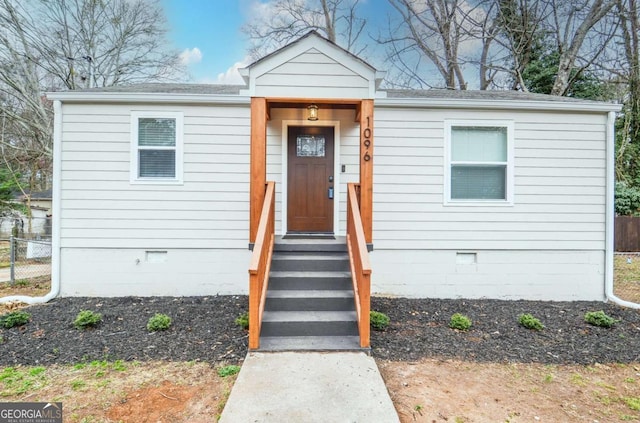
point(457, 391)
point(425, 391)
point(131, 392)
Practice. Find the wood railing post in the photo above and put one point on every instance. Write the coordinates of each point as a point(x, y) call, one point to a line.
point(366, 168)
point(360, 266)
point(258, 163)
point(260, 265)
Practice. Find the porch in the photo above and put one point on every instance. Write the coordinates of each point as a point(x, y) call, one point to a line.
point(293, 220)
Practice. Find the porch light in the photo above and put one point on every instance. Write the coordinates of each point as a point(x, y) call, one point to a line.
point(312, 112)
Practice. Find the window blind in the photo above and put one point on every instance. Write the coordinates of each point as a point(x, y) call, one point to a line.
point(478, 163)
point(156, 148)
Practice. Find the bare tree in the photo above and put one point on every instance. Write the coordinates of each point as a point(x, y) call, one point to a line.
point(69, 44)
point(627, 72)
point(485, 27)
point(453, 39)
point(102, 43)
point(431, 30)
point(282, 21)
point(573, 25)
point(520, 23)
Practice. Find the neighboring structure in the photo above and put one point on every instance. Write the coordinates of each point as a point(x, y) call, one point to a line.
point(39, 225)
point(493, 194)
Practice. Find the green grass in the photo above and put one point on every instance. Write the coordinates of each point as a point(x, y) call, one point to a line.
point(228, 370)
point(626, 278)
point(20, 380)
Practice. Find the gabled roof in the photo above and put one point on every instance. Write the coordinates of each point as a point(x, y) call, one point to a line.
point(310, 34)
point(311, 42)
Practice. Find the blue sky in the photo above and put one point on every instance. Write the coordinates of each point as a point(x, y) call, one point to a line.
point(208, 34)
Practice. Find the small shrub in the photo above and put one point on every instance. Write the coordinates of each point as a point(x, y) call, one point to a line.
point(158, 322)
point(228, 370)
point(378, 320)
point(243, 320)
point(13, 319)
point(530, 322)
point(599, 318)
point(87, 319)
point(460, 322)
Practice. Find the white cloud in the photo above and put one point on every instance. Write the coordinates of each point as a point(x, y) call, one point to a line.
point(232, 76)
point(190, 56)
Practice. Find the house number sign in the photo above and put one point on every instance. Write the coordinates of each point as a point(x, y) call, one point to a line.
point(366, 134)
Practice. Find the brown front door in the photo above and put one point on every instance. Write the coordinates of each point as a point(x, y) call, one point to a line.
point(310, 179)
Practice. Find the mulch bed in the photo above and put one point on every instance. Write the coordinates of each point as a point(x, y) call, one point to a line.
point(203, 329)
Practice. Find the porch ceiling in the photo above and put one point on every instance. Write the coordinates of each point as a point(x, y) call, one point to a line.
point(293, 103)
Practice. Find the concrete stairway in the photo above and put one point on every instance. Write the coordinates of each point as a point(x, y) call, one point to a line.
point(309, 305)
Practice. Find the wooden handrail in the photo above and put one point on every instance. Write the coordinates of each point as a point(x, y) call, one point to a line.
point(260, 265)
point(360, 265)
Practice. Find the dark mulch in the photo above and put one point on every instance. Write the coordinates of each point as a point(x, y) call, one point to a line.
point(420, 328)
point(204, 329)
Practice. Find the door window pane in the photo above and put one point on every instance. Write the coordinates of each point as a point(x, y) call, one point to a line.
point(310, 146)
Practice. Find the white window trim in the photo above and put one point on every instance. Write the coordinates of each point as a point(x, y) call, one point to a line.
point(133, 172)
point(510, 184)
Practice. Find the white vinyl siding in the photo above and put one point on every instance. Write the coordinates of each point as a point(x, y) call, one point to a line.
point(312, 74)
point(558, 183)
point(102, 209)
point(156, 147)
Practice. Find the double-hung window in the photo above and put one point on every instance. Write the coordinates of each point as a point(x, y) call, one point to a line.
point(156, 147)
point(479, 166)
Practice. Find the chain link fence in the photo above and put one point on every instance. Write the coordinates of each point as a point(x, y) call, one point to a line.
point(626, 276)
point(25, 266)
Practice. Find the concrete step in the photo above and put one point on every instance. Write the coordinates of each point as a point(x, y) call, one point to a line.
point(309, 323)
point(310, 262)
point(310, 280)
point(310, 300)
point(310, 343)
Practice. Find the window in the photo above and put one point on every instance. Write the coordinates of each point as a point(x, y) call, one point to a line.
point(480, 162)
point(156, 147)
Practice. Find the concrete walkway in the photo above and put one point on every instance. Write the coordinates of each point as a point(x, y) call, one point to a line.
point(292, 387)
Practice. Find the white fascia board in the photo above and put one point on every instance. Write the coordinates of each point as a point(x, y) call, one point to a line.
point(124, 97)
point(456, 103)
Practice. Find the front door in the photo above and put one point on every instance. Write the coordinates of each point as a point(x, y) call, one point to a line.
point(310, 179)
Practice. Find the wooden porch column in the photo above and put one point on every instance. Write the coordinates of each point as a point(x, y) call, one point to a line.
point(366, 168)
point(258, 162)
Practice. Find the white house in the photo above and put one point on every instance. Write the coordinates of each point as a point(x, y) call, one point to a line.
point(497, 194)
